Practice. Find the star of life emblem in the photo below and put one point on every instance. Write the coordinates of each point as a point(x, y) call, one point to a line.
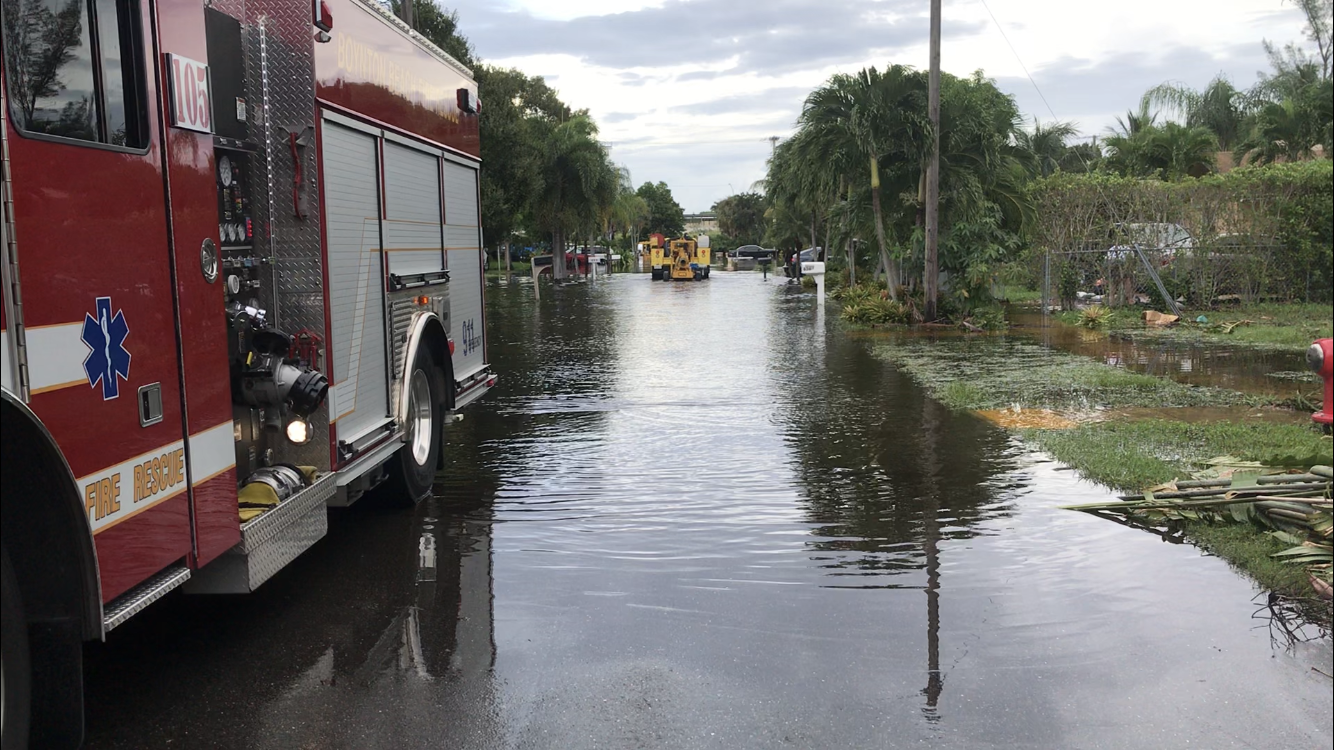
point(108, 361)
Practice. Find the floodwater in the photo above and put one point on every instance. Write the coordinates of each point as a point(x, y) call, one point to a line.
point(1221, 365)
point(695, 515)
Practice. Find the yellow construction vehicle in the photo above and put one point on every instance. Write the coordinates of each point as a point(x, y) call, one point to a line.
point(654, 250)
point(680, 260)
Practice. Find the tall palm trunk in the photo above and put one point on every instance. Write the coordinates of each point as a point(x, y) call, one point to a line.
point(891, 273)
point(558, 254)
point(847, 240)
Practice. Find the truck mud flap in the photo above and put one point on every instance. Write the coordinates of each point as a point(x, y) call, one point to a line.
point(268, 543)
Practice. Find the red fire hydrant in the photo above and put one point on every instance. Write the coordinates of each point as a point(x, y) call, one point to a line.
point(1321, 359)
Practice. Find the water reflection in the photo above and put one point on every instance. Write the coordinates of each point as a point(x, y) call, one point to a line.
point(695, 516)
point(48, 59)
point(886, 474)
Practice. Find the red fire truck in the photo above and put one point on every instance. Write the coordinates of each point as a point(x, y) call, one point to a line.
point(241, 283)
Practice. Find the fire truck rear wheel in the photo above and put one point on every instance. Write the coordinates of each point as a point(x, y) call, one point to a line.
point(15, 672)
point(417, 459)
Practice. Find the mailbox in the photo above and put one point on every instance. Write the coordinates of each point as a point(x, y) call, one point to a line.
point(816, 271)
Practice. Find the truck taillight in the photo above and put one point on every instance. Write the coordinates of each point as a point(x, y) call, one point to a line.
point(451, 347)
point(321, 16)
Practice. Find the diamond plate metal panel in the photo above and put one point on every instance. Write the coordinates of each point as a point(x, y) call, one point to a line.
point(275, 522)
point(280, 74)
point(267, 547)
point(131, 602)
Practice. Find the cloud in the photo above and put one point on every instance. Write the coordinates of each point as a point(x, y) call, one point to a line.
point(771, 37)
point(786, 100)
point(687, 92)
point(1093, 92)
point(702, 75)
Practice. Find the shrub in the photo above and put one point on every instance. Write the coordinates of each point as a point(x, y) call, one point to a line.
point(1094, 316)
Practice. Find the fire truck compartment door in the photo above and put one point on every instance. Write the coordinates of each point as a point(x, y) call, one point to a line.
point(463, 244)
point(359, 397)
point(412, 226)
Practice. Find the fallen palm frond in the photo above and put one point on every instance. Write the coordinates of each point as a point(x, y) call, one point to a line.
point(1294, 508)
point(1232, 325)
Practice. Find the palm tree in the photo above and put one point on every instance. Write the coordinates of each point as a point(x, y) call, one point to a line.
point(578, 182)
point(1177, 150)
point(871, 117)
point(1282, 132)
point(1127, 153)
point(1220, 107)
point(983, 177)
point(1134, 122)
point(627, 213)
point(1045, 147)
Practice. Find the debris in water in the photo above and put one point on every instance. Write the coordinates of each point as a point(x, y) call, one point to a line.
point(1018, 419)
point(1294, 508)
point(1158, 320)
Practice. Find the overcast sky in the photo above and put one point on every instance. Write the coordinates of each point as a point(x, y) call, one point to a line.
point(689, 92)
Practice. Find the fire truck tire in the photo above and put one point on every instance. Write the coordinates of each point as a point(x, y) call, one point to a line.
point(16, 687)
point(414, 467)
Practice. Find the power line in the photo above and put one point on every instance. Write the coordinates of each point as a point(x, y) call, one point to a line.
point(1019, 60)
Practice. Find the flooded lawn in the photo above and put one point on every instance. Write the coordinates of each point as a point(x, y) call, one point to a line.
point(698, 515)
point(1275, 372)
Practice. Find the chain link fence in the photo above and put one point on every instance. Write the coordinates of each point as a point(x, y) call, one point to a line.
point(1198, 244)
point(1198, 277)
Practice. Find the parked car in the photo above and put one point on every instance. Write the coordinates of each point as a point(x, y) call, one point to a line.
point(1164, 238)
point(809, 255)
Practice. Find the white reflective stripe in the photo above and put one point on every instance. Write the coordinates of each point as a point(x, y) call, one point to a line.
point(212, 452)
point(6, 374)
point(55, 357)
point(131, 487)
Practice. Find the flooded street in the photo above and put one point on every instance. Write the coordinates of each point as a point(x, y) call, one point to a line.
point(698, 515)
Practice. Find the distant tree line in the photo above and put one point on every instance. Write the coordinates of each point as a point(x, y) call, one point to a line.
point(545, 176)
point(851, 179)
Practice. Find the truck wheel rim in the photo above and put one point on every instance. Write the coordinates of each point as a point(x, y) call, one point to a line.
point(419, 418)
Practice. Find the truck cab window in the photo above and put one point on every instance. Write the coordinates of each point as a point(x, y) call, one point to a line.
point(74, 69)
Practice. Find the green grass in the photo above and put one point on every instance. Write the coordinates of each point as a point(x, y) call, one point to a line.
point(1248, 550)
point(1274, 326)
point(995, 373)
point(518, 267)
point(1020, 296)
point(1130, 456)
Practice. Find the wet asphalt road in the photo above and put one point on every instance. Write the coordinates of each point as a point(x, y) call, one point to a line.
point(697, 515)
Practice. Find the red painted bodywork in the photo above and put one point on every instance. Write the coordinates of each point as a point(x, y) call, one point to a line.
point(95, 221)
point(194, 218)
point(92, 222)
point(367, 69)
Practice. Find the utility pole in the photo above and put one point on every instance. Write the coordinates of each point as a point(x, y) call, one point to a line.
point(405, 10)
point(932, 280)
point(773, 143)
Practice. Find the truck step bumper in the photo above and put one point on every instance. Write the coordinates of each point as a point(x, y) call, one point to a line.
point(128, 604)
point(268, 543)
